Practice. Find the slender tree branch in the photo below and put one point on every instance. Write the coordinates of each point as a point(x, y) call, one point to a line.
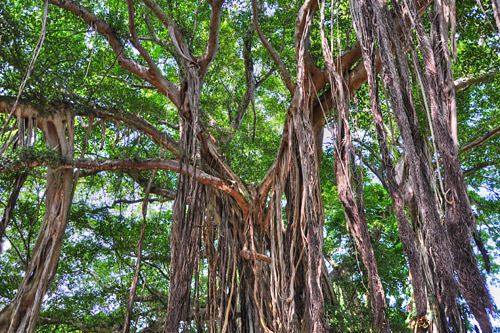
point(481, 140)
point(134, 164)
point(155, 188)
point(479, 166)
point(274, 55)
point(250, 82)
point(180, 46)
point(20, 178)
point(213, 37)
point(135, 39)
point(161, 83)
point(135, 85)
point(465, 82)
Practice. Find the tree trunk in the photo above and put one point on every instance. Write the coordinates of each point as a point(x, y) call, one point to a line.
point(459, 217)
point(356, 219)
point(354, 207)
point(360, 12)
point(21, 314)
point(396, 76)
point(188, 209)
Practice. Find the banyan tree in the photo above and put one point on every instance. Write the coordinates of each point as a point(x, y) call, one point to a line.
point(249, 166)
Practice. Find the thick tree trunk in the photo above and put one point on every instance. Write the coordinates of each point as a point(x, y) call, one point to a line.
point(21, 314)
point(185, 247)
point(188, 209)
point(459, 217)
point(292, 299)
point(360, 13)
point(396, 77)
point(312, 213)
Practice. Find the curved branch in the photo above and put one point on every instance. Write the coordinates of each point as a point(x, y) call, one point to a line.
point(467, 81)
point(161, 83)
point(481, 140)
point(274, 55)
point(135, 39)
point(213, 37)
point(180, 46)
point(134, 164)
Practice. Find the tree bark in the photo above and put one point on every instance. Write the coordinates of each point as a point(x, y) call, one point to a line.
point(11, 203)
point(360, 11)
point(356, 219)
point(21, 314)
point(188, 209)
point(396, 78)
point(353, 206)
point(460, 220)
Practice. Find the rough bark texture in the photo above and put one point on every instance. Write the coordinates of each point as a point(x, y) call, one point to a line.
point(356, 219)
point(11, 203)
point(396, 77)
point(21, 314)
point(496, 12)
point(353, 204)
point(360, 12)
point(459, 217)
point(189, 206)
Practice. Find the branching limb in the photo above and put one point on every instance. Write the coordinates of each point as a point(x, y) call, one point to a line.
point(135, 39)
point(135, 164)
point(180, 46)
point(481, 140)
point(274, 55)
point(467, 81)
point(162, 84)
point(213, 37)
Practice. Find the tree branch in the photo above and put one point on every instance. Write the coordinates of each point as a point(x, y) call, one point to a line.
point(155, 188)
point(133, 164)
point(161, 83)
point(180, 46)
point(355, 77)
point(481, 140)
point(467, 81)
point(135, 85)
point(477, 167)
point(307, 10)
point(274, 55)
point(132, 120)
point(135, 39)
point(213, 37)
